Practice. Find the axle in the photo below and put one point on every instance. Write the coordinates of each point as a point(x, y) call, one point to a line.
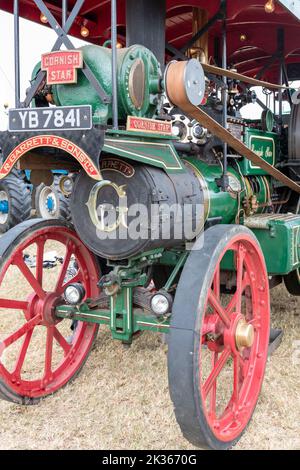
point(122, 326)
point(126, 304)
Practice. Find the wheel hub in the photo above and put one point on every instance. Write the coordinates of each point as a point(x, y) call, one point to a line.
point(45, 308)
point(50, 203)
point(244, 335)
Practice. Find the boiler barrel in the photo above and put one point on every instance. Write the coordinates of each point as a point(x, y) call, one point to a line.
point(139, 208)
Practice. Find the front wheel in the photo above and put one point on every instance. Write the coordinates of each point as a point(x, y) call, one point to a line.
point(218, 343)
point(38, 352)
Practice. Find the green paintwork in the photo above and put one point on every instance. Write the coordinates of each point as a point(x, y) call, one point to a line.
point(170, 257)
point(121, 314)
point(151, 151)
point(279, 238)
point(179, 265)
point(218, 203)
point(265, 144)
point(122, 318)
point(280, 243)
point(140, 320)
point(123, 323)
point(99, 60)
point(227, 205)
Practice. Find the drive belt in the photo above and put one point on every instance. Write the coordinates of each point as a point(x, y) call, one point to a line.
point(242, 78)
point(176, 92)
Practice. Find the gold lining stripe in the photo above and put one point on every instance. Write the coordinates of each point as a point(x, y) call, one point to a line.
point(156, 325)
point(204, 186)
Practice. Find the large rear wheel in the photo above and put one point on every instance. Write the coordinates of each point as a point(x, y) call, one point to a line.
point(218, 342)
point(38, 352)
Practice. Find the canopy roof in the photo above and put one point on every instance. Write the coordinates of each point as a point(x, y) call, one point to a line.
point(252, 33)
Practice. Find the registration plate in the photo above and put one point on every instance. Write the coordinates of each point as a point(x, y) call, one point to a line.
point(50, 119)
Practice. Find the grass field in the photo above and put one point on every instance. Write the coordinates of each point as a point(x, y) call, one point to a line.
point(121, 400)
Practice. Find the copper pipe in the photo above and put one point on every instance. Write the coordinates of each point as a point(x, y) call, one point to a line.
point(200, 48)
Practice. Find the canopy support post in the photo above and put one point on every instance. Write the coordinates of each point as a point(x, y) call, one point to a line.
point(114, 70)
point(17, 52)
point(225, 182)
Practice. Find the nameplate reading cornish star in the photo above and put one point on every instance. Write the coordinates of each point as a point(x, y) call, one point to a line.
point(61, 66)
point(149, 126)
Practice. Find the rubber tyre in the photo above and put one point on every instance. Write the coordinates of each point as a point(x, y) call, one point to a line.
point(185, 331)
point(19, 200)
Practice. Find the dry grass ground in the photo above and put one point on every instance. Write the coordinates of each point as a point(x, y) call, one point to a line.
point(121, 401)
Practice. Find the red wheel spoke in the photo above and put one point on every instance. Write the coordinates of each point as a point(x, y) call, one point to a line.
point(76, 278)
point(19, 262)
point(232, 306)
point(63, 270)
point(215, 372)
point(22, 354)
point(17, 304)
point(218, 308)
point(48, 353)
point(20, 332)
point(239, 277)
point(61, 341)
point(40, 260)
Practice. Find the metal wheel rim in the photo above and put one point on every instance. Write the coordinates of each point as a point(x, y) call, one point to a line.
point(229, 425)
point(46, 193)
point(3, 197)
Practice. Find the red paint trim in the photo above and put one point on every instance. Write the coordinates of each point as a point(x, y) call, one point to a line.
point(152, 126)
point(50, 141)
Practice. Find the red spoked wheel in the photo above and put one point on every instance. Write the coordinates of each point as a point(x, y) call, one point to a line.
point(40, 353)
point(219, 337)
